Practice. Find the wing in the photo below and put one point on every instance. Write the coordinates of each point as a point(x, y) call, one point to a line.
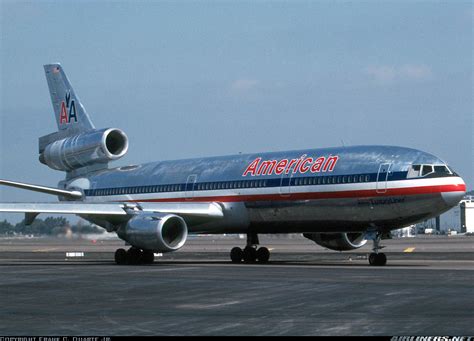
point(191, 212)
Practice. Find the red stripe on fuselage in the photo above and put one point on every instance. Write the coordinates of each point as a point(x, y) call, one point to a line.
point(319, 195)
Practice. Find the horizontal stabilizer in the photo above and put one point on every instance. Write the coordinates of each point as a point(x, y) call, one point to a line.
point(43, 189)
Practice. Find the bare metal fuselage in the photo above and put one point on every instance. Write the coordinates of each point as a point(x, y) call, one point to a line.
point(367, 188)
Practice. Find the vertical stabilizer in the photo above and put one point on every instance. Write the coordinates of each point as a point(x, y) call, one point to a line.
point(71, 117)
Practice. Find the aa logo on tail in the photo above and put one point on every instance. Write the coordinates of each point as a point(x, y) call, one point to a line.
point(68, 110)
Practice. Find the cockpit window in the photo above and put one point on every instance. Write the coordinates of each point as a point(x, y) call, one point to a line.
point(427, 169)
point(424, 170)
point(414, 171)
point(441, 170)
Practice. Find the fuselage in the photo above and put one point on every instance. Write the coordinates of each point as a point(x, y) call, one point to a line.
point(341, 189)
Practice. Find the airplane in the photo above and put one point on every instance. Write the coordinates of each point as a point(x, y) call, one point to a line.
point(337, 197)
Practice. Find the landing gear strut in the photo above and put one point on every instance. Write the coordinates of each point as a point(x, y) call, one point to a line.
point(376, 258)
point(134, 256)
point(251, 253)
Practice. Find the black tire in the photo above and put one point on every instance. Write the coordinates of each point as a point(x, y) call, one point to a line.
point(134, 256)
point(148, 257)
point(250, 254)
point(236, 255)
point(120, 256)
point(373, 259)
point(263, 255)
point(381, 259)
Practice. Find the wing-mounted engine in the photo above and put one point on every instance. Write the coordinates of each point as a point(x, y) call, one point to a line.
point(84, 149)
point(155, 231)
point(338, 241)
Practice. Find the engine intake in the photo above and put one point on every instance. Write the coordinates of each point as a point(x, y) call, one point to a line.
point(338, 241)
point(92, 147)
point(156, 232)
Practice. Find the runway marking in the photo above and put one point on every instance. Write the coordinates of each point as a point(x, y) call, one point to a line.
point(46, 250)
point(161, 270)
point(409, 249)
point(207, 306)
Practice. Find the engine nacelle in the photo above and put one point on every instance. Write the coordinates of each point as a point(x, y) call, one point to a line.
point(338, 241)
point(92, 147)
point(156, 232)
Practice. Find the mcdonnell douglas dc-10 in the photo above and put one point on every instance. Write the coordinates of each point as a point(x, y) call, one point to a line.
point(337, 197)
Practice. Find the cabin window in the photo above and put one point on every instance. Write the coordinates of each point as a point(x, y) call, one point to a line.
point(367, 178)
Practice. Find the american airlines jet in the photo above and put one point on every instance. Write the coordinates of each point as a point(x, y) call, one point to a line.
point(337, 197)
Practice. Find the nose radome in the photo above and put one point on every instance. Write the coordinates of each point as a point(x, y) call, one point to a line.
point(453, 198)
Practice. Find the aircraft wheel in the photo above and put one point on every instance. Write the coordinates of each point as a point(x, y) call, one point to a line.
point(236, 255)
point(377, 259)
point(381, 259)
point(250, 254)
point(134, 256)
point(120, 256)
point(263, 255)
point(372, 258)
point(148, 257)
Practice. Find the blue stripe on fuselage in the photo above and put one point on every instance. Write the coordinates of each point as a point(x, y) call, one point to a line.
point(251, 183)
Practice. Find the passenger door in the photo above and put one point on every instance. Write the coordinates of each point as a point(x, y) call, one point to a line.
point(190, 183)
point(382, 176)
point(286, 182)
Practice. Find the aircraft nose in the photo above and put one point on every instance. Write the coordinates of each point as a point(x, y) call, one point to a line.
point(453, 198)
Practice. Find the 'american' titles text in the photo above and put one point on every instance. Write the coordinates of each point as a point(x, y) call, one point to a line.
point(301, 165)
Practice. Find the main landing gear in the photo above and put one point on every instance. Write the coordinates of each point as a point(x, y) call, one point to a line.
point(134, 256)
point(376, 258)
point(251, 253)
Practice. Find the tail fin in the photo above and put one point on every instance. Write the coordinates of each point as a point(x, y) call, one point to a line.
point(71, 117)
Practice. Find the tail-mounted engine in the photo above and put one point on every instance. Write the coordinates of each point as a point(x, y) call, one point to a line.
point(85, 149)
point(156, 232)
point(338, 241)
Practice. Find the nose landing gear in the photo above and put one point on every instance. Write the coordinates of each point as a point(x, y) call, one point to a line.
point(376, 258)
point(251, 253)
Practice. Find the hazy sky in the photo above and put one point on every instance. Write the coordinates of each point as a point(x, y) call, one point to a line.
point(201, 78)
